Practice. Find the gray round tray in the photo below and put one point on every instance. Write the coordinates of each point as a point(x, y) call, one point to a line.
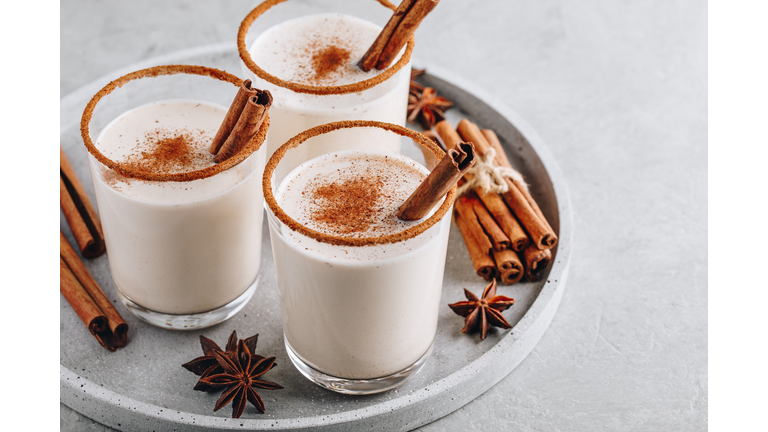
point(143, 386)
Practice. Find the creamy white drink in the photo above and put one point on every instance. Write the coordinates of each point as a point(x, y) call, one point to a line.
point(178, 247)
point(323, 50)
point(356, 312)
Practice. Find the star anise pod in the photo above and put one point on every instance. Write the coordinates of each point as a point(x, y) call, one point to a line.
point(241, 375)
point(207, 365)
point(485, 312)
point(424, 104)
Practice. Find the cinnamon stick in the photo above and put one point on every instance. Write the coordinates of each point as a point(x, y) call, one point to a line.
point(504, 161)
point(518, 239)
point(78, 211)
point(470, 132)
point(510, 267)
point(244, 93)
point(495, 233)
point(442, 178)
point(463, 208)
point(398, 30)
point(247, 125)
point(83, 294)
point(484, 265)
point(536, 261)
point(541, 233)
point(447, 133)
point(80, 301)
point(493, 140)
point(493, 202)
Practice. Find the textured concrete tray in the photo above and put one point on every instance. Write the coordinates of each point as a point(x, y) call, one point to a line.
point(143, 387)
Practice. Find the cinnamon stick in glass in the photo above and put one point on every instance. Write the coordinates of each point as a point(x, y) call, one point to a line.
point(396, 33)
point(536, 261)
point(442, 178)
point(253, 114)
point(78, 211)
point(244, 93)
point(88, 300)
point(484, 265)
point(510, 267)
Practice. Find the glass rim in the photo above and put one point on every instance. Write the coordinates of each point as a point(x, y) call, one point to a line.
point(292, 224)
point(253, 145)
point(356, 87)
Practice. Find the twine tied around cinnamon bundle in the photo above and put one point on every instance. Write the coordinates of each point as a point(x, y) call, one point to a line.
point(490, 177)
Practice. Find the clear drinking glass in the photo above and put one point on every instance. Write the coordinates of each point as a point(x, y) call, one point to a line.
point(184, 248)
point(359, 314)
point(304, 102)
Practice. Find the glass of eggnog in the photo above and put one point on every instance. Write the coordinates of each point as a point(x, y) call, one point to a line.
point(359, 288)
point(183, 233)
point(310, 64)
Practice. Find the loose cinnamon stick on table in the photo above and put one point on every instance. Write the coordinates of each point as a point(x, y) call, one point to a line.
point(78, 211)
point(536, 260)
point(484, 265)
point(442, 178)
point(253, 114)
point(541, 233)
point(80, 301)
point(510, 267)
point(393, 37)
point(83, 294)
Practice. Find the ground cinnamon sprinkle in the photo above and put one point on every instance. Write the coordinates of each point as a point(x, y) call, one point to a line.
point(329, 60)
point(349, 206)
point(166, 151)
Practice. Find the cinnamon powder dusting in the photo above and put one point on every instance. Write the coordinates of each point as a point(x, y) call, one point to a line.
point(354, 195)
point(329, 60)
point(348, 206)
point(169, 151)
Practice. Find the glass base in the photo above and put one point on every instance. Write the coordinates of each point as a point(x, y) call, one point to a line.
point(190, 321)
point(357, 386)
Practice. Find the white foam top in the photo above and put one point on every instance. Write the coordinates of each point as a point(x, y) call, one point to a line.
point(332, 194)
point(287, 49)
point(139, 130)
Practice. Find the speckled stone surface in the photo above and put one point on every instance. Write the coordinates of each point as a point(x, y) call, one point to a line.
point(618, 92)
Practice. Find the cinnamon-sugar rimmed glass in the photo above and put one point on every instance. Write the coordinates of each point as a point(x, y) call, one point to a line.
point(315, 132)
point(359, 314)
point(184, 247)
point(300, 106)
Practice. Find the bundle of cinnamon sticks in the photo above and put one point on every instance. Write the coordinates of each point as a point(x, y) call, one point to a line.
point(506, 234)
point(75, 282)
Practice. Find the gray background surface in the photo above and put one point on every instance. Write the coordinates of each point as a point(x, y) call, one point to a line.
point(618, 91)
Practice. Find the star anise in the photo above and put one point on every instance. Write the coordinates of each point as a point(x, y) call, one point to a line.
point(424, 104)
point(241, 372)
point(207, 364)
point(485, 312)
